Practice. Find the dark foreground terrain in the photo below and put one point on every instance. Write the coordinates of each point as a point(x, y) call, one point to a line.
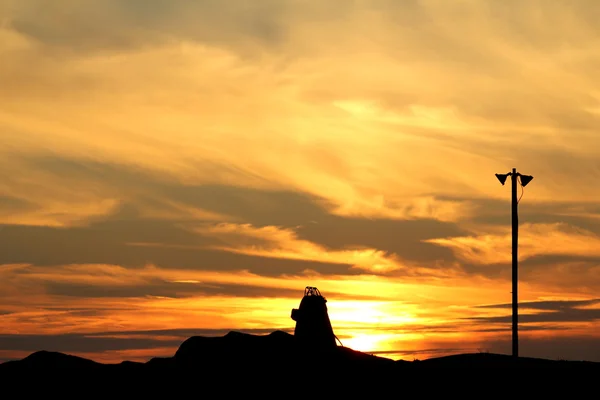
point(277, 357)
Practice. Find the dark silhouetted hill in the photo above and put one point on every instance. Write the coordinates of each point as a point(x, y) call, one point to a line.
point(278, 357)
point(50, 360)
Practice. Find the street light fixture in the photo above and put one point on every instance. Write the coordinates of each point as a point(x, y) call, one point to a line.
point(523, 180)
point(502, 178)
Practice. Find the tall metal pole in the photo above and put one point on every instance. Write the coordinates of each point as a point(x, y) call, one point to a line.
point(515, 270)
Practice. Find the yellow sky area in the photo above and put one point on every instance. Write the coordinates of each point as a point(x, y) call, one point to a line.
point(336, 126)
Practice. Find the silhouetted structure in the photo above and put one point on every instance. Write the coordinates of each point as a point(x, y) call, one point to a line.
point(313, 327)
point(523, 180)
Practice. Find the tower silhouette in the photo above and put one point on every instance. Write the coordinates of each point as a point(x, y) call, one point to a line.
point(313, 327)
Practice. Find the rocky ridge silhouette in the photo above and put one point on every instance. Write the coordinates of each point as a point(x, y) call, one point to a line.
point(242, 352)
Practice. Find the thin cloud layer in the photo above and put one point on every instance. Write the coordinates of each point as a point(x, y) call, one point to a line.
point(535, 240)
point(272, 101)
point(551, 311)
point(270, 241)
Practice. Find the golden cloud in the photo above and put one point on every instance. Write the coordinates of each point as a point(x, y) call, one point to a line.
point(271, 241)
point(373, 131)
point(534, 240)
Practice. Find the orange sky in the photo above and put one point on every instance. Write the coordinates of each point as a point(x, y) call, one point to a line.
point(175, 167)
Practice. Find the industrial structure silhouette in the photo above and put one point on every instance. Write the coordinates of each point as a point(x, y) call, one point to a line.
point(313, 327)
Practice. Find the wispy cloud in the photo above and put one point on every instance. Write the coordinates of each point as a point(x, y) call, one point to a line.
point(271, 241)
point(534, 240)
point(355, 136)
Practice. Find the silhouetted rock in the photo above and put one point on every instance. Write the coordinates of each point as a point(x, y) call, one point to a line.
point(260, 361)
point(245, 352)
point(497, 361)
point(236, 351)
point(51, 360)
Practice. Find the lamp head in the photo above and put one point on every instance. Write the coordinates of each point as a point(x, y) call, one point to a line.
point(502, 178)
point(525, 179)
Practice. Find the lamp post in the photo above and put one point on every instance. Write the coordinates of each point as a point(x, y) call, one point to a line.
point(523, 180)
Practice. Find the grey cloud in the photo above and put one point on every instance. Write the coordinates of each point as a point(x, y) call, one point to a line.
point(104, 239)
point(572, 217)
point(560, 312)
point(254, 206)
point(11, 203)
point(497, 212)
point(525, 328)
point(157, 287)
point(113, 24)
point(52, 246)
point(550, 305)
point(165, 289)
point(404, 238)
point(577, 264)
point(91, 24)
point(274, 207)
point(111, 341)
point(558, 272)
point(457, 326)
point(79, 343)
point(187, 332)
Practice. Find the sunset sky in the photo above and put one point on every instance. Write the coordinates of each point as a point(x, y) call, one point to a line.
point(173, 168)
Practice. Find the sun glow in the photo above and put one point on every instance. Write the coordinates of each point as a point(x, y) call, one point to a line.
point(366, 342)
point(372, 313)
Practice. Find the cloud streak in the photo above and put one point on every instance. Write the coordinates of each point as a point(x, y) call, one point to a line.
point(271, 241)
point(534, 240)
point(550, 311)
